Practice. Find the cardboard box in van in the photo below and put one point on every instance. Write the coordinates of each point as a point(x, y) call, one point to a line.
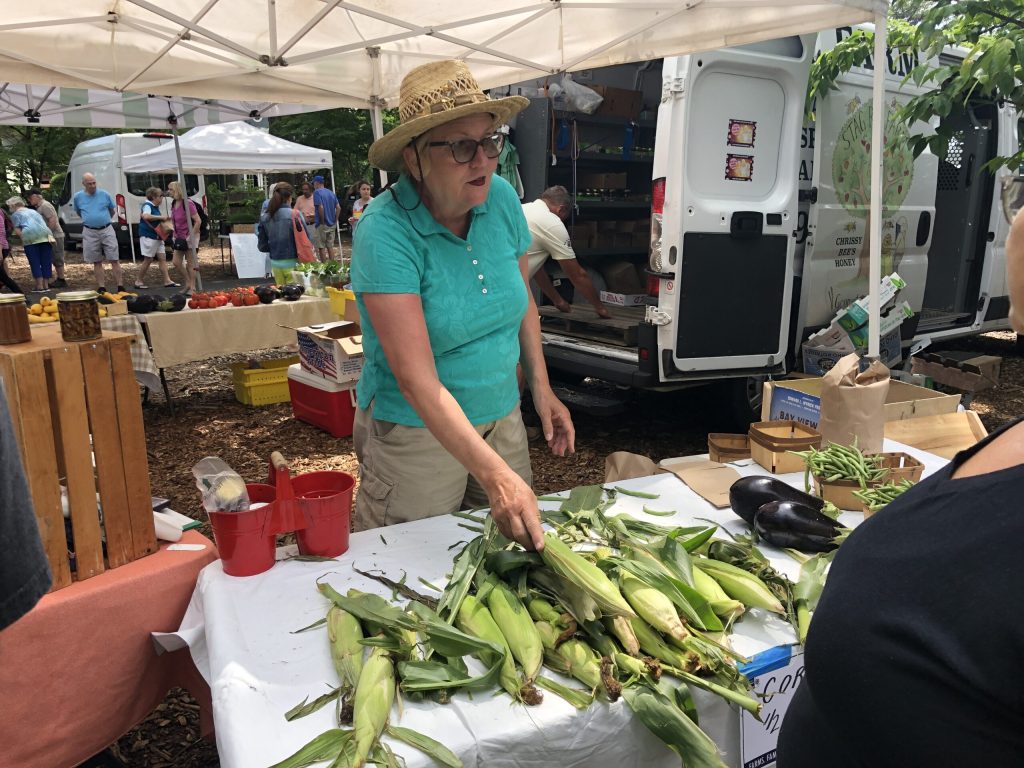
point(332, 350)
point(619, 102)
point(800, 400)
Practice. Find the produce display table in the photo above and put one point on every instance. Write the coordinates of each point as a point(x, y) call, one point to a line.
point(80, 669)
point(197, 334)
point(146, 372)
point(240, 629)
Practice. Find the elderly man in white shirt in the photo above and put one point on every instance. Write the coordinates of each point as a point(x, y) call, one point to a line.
point(546, 217)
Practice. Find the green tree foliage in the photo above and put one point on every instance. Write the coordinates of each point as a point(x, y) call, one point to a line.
point(33, 156)
point(990, 32)
point(347, 133)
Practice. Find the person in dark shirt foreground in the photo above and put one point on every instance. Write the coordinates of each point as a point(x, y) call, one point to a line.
point(913, 656)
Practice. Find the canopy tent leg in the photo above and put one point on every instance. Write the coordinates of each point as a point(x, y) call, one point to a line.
point(337, 222)
point(878, 118)
point(376, 103)
point(192, 254)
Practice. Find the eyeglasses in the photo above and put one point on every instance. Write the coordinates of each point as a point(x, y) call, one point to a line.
point(464, 150)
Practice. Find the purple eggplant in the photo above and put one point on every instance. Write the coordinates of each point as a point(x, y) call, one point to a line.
point(795, 525)
point(749, 494)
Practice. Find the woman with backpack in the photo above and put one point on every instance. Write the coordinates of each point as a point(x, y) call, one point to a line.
point(284, 234)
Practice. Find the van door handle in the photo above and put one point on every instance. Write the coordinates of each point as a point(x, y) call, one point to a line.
point(808, 195)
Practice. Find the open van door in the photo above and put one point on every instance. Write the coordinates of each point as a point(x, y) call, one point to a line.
point(727, 160)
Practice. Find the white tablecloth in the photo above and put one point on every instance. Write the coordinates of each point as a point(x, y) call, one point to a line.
point(239, 631)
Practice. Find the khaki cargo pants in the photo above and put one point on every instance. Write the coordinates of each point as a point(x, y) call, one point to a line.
point(405, 474)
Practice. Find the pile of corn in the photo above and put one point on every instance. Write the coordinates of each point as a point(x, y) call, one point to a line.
point(627, 608)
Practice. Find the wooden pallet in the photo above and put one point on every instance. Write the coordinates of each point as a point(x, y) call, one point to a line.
point(584, 323)
point(71, 403)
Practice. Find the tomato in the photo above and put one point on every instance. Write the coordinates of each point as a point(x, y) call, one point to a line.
point(192, 304)
point(237, 300)
point(251, 300)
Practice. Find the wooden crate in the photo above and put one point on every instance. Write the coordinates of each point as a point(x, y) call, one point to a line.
point(944, 434)
point(584, 323)
point(72, 402)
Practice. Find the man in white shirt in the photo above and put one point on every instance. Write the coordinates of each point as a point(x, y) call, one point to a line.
point(546, 217)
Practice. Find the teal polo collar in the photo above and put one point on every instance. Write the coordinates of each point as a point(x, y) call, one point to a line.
point(408, 198)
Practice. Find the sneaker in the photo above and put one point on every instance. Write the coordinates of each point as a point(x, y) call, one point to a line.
point(141, 285)
point(60, 282)
point(172, 285)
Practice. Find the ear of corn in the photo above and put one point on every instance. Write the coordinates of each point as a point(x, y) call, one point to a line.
point(742, 586)
point(652, 606)
point(622, 628)
point(517, 627)
point(581, 662)
point(475, 619)
point(562, 560)
point(374, 696)
point(653, 645)
point(541, 610)
point(345, 632)
point(548, 634)
point(723, 605)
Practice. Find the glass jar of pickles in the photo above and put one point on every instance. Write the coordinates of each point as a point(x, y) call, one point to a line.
point(14, 319)
point(79, 315)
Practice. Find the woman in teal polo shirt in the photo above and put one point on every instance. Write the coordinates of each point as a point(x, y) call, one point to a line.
point(439, 275)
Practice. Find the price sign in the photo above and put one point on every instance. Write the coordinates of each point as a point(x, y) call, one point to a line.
point(775, 683)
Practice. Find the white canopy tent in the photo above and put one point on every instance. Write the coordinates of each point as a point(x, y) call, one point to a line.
point(353, 53)
point(50, 106)
point(235, 147)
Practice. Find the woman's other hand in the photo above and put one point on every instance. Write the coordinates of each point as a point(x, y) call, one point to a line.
point(555, 421)
point(514, 509)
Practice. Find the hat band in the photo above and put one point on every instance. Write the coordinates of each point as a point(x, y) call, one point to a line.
point(448, 103)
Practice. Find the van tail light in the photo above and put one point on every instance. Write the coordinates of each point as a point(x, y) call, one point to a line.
point(653, 285)
point(205, 206)
point(658, 197)
point(657, 211)
point(122, 215)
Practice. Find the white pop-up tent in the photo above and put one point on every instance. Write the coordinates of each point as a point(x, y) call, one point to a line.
point(235, 147)
point(353, 53)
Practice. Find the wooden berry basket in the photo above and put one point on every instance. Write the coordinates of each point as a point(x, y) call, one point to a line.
point(724, 447)
point(772, 441)
point(899, 466)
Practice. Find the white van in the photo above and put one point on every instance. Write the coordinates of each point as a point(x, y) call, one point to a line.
point(759, 221)
point(102, 157)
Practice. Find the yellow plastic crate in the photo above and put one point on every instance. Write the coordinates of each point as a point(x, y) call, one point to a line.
point(265, 385)
point(338, 299)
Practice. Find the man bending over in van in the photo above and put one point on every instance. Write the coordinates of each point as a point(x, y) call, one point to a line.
point(546, 218)
point(99, 243)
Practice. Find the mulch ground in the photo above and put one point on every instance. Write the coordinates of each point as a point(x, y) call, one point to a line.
point(208, 421)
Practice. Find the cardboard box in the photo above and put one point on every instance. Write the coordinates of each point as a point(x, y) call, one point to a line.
point(624, 240)
point(958, 370)
point(619, 102)
point(620, 277)
point(800, 400)
point(855, 315)
point(332, 350)
point(640, 239)
point(601, 181)
point(116, 308)
point(819, 360)
point(624, 299)
point(625, 225)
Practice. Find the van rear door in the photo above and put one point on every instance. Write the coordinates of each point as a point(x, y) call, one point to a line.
point(727, 147)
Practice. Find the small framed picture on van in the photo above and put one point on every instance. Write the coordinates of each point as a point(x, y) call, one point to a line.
point(741, 133)
point(739, 168)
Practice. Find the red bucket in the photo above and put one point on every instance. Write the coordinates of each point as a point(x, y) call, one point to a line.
point(246, 540)
point(324, 500)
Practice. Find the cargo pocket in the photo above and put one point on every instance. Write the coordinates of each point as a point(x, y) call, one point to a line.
point(373, 501)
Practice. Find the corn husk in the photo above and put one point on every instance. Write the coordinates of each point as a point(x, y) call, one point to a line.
point(375, 694)
point(518, 629)
point(584, 574)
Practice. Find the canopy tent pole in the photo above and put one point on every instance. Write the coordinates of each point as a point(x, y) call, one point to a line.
point(191, 226)
point(337, 221)
point(878, 117)
point(376, 103)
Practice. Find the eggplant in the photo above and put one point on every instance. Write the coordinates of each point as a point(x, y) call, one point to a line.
point(748, 494)
point(796, 525)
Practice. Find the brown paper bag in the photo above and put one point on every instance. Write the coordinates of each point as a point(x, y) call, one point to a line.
point(707, 479)
point(853, 403)
point(623, 465)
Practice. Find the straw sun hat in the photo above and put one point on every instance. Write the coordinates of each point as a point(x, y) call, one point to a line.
point(432, 95)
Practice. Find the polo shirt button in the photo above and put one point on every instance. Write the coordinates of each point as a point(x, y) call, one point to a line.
point(481, 277)
point(469, 247)
point(485, 290)
point(475, 262)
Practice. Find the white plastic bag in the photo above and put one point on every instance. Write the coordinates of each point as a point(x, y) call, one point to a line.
point(222, 488)
point(579, 98)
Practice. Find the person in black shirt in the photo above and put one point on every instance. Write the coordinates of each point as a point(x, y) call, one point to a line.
point(913, 657)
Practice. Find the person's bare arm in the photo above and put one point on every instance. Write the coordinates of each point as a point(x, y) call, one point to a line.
point(554, 416)
point(543, 280)
point(579, 277)
point(402, 332)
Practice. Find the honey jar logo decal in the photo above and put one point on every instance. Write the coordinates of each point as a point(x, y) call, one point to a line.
point(742, 133)
point(739, 168)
